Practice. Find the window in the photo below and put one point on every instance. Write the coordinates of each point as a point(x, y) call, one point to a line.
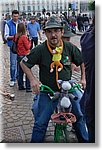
point(29, 8)
point(33, 8)
point(38, 7)
point(23, 8)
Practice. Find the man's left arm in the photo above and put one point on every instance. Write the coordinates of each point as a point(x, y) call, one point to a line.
point(78, 60)
point(39, 32)
point(83, 79)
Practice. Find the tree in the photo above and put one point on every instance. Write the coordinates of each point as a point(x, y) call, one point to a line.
point(69, 6)
point(91, 5)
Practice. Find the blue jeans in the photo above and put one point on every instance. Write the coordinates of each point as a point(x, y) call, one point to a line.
point(13, 66)
point(80, 124)
point(20, 78)
point(35, 41)
point(43, 108)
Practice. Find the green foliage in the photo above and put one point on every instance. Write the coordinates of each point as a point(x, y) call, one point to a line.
point(91, 5)
point(69, 5)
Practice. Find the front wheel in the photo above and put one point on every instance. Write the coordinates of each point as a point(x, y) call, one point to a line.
point(63, 134)
point(59, 136)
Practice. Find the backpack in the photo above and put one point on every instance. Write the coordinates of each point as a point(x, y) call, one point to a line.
point(14, 46)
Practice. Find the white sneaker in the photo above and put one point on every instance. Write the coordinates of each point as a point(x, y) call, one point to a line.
point(12, 83)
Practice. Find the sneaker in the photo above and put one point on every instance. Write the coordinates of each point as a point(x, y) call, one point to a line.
point(12, 83)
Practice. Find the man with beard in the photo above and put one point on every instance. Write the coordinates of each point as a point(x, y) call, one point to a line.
point(42, 55)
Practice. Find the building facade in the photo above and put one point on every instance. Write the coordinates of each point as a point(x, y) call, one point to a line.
point(37, 6)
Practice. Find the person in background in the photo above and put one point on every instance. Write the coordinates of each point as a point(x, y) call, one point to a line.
point(67, 37)
point(10, 31)
point(3, 22)
point(80, 22)
point(23, 49)
point(85, 22)
point(33, 29)
point(87, 42)
point(42, 55)
point(24, 20)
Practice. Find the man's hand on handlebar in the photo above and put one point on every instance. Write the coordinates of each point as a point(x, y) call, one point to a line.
point(35, 86)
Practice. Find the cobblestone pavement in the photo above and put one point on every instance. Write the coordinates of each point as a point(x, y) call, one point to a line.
point(16, 118)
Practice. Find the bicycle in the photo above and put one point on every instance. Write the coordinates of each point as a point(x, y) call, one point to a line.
point(62, 120)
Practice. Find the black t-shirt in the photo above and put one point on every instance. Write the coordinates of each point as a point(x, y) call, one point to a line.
point(41, 56)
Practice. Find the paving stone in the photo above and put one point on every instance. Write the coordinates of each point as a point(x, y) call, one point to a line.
point(10, 120)
point(25, 122)
point(28, 131)
point(49, 139)
point(18, 123)
point(10, 124)
point(14, 135)
point(26, 127)
point(28, 138)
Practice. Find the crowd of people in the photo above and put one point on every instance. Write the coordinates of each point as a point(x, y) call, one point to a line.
point(80, 22)
point(58, 32)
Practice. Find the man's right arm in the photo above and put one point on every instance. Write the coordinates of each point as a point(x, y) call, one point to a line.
point(34, 82)
point(6, 33)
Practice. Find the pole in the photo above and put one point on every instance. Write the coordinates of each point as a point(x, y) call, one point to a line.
point(18, 4)
point(68, 9)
